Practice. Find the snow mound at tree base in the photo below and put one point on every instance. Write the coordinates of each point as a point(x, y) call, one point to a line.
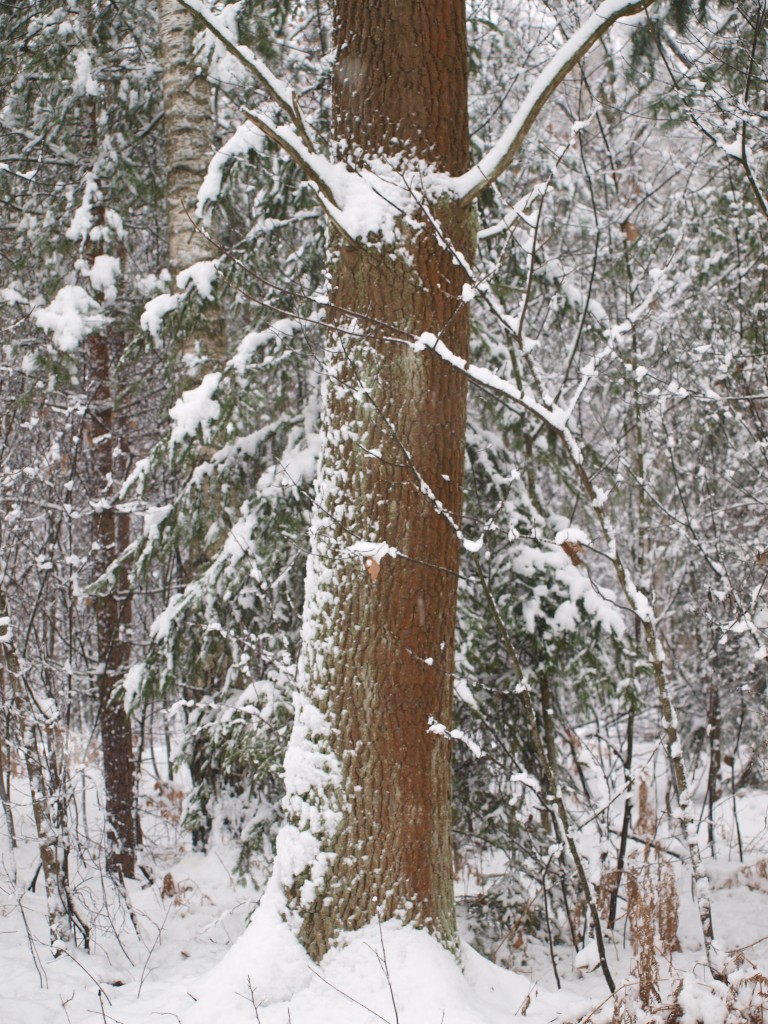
point(392, 973)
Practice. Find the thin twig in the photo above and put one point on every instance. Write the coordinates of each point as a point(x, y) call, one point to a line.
point(85, 970)
point(346, 996)
point(151, 951)
point(385, 967)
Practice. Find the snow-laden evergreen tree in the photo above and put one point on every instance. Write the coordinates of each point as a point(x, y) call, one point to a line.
point(78, 180)
point(224, 498)
point(609, 558)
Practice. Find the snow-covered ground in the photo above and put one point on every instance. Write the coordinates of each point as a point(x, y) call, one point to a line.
point(193, 957)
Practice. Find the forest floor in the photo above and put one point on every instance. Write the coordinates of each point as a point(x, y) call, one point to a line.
point(195, 947)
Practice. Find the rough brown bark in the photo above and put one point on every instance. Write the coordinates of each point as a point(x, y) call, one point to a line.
point(112, 605)
point(113, 614)
point(379, 637)
point(400, 80)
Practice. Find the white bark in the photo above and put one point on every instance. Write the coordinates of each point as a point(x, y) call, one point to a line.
point(188, 126)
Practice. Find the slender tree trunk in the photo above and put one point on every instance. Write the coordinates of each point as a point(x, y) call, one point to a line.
point(188, 148)
point(189, 135)
point(371, 833)
point(714, 723)
point(6, 733)
point(110, 531)
point(113, 615)
point(113, 606)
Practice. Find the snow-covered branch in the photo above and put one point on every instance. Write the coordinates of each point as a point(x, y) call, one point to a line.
point(557, 419)
point(498, 158)
point(282, 94)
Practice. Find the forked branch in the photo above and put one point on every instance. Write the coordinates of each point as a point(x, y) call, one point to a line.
point(498, 158)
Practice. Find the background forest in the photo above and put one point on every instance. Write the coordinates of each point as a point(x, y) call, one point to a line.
point(163, 288)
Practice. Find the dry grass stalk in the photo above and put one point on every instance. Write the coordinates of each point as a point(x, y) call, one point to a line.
point(668, 907)
point(579, 912)
point(624, 1007)
point(747, 999)
point(641, 911)
point(752, 876)
point(646, 820)
point(609, 879)
point(744, 999)
point(658, 886)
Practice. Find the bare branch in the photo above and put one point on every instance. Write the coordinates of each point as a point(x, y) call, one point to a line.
point(498, 158)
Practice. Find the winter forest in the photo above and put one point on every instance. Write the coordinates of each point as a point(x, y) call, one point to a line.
point(384, 532)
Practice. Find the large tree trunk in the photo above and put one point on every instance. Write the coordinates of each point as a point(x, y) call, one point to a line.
point(369, 786)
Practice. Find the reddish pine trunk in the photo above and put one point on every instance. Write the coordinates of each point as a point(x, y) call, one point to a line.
point(379, 638)
point(113, 616)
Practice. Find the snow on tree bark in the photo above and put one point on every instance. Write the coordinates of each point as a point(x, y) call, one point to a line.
point(113, 607)
point(188, 126)
point(378, 639)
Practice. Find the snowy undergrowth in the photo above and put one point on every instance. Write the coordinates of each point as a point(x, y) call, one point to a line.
point(201, 955)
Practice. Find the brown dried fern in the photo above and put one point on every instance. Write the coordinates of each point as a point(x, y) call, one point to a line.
point(641, 911)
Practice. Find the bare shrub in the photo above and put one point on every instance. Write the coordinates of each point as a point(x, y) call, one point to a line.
point(744, 997)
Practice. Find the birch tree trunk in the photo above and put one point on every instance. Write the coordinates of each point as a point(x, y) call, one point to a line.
point(188, 148)
point(371, 834)
point(189, 133)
